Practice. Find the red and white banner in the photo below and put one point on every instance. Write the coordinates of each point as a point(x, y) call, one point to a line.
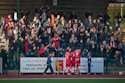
point(38, 65)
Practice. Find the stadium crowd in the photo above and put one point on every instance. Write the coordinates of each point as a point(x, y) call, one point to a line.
point(62, 30)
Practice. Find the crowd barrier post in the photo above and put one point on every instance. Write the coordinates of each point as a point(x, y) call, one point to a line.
point(18, 38)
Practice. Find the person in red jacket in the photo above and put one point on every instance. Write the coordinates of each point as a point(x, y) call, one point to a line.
point(56, 40)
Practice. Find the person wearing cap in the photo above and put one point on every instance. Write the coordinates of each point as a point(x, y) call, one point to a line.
point(49, 64)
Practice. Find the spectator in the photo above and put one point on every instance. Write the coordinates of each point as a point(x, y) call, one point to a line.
point(101, 37)
point(56, 40)
point(14, 44)
point(88, 22)
point(15, 32)
point(88, 13)
point(93, 34)
point(94, 24)
point(106, 31)
point(118, 20)
point(72, 38)
point(37, 12)
point(73, 16)
point(106, 19)
point(25, 14)
point(99, 25)
point(73, 45)
point(3, 54)
point(29, 53)
point(57, 20)
point(67, 37)
point(11, 58)
point(81, 45)
point(63, 21)
point(88, 44)
point(44, 13)
point(2, 24)
point(120, 47)
point(112, 43)
point(119, 35)
point(117, 57)
point(15, 16)
point(111, 32)
point(100, 17)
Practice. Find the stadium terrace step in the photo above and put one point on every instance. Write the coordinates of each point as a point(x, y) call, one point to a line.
point(80, 6)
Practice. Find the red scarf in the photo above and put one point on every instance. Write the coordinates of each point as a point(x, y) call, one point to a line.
point(112, 44)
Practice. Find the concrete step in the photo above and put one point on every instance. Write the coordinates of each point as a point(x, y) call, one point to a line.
point(10, 72)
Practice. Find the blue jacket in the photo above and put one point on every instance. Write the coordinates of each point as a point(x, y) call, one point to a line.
point(49, 60)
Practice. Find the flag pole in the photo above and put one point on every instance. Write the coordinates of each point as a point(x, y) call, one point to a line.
point(18, 38)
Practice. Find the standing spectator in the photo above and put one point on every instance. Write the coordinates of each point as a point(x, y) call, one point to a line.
point(119, 35)
point(100, 17)
point(52, 19)
point(56, 40)
point(106, 31)
point(10, 34)
point(118, 20)
point(67, 37)
point(72, 38)
point(106, 19)
point(2, 24)
point(63, 21)
point(111, 32)
point(14, 44)
point(120, 47)
point(88, 44)
point(81, 45)
point(112, 43)
point(73, 45)
point(56, 13)
point(15, 32)
point(99, 25)
point(87, 14)
point(37, 12)
point(45, 37)
point(57, 20)
point(11, 58)
point(4, 57)
point(88, 22)
point(15, 16)
point(25, 14)
point(73, 16)
point(105, 45)
point(44, 13)
point(81, 37)
point(94, 33)
point(101, 37)
point(94, 24)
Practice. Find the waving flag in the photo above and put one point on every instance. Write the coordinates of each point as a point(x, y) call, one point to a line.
point(43, 50)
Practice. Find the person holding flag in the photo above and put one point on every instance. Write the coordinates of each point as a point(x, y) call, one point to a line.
point(43, 50)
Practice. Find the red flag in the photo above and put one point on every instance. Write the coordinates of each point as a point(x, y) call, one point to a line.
point(42, 50)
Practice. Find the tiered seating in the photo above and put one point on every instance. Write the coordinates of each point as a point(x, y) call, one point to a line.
point(80, 6)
